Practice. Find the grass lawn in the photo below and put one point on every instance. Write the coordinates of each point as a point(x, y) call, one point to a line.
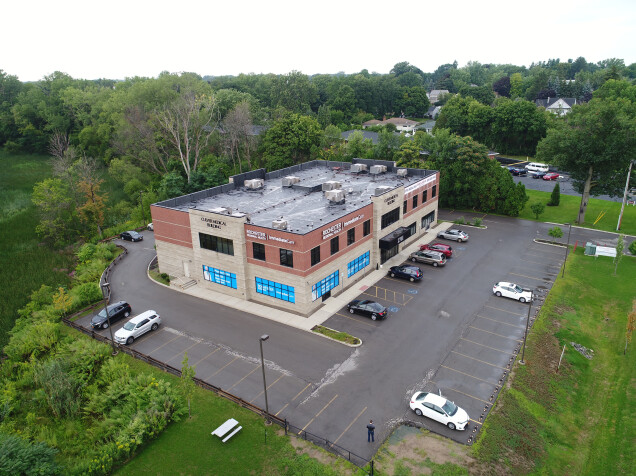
point(581, 420)
point(24, 263)
point(568, 209)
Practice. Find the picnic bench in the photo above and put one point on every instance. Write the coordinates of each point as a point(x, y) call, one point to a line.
point(226, 428)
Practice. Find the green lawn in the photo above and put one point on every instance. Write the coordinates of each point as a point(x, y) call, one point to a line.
point(24, 263)
point(568, 209)
point(581, 420)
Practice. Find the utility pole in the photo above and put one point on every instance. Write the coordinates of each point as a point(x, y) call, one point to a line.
point(620, 216)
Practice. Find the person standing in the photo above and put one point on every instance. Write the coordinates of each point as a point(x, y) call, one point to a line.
point(370, 431)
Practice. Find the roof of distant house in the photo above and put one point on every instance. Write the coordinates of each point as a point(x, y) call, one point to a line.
point(400, 121)
point(372, 122)
point(372, 136)
point(550, 101)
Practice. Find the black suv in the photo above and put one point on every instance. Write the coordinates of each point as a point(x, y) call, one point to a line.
point(116, 311)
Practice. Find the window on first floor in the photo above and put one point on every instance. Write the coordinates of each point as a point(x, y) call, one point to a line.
point(357, 264)
point(335, 245)
point(259, 251)
point(287, 258)
point(315, 255)
point(216, 243)
point(275, 290)
point(218, 276)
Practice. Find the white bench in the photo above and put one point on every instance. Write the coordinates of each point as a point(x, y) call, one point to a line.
point(226, 428)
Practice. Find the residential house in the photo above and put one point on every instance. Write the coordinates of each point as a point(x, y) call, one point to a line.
point(436, 94)
point(559, 106)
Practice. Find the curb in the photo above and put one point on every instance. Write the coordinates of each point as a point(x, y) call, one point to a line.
point(336, 340)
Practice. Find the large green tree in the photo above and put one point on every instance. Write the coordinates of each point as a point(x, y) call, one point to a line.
point(290, 141)
point(595, 142)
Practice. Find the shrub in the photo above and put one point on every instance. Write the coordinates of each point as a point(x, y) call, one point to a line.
point(62, 389)
point(555, 198)
point(632, 247)
point(18, 456)
point(555, 232)
point(32, 340)
point(85, 294)
point(85, 358)
point(460, 221)
point(86, 252)
point(537, 208)
point(477, 221)
point(166, 276)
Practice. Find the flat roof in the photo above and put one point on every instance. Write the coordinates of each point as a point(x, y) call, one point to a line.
point(303, 205)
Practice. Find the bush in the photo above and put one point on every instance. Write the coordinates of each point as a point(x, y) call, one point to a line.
point(537, 208)
point(477, 221)
point(85, 294)
point(86, 252)
point(555, 232)
point(18, 456)
point(632, 247)
point(460, 221)
point(62, 389)
point(555, 198)
point(32, 340)
point(166, 276)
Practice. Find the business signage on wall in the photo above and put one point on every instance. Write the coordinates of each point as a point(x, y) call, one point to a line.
point(390, 199)
point(260, 235)
point(419, 184)
point(338, 227)
point(212, 223)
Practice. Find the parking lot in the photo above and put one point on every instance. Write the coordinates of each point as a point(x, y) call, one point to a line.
point(446, 333)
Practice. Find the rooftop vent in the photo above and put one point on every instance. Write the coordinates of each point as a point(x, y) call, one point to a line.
point(331, 185)
point(335, 196)
point(290, 180)
point(402, 172)
point(254, 184)
point(279, 224)
point(357, 168)
point(377, 169)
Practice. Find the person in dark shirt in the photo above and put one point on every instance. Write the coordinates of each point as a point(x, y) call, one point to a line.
point(370, 431)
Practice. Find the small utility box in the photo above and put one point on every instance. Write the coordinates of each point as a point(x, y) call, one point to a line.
point(590, 249)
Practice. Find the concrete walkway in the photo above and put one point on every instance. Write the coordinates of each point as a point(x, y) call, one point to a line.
point(332, 305)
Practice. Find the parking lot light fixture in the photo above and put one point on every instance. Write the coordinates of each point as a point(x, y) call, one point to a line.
point(106, 293)
point(567, 248)
point(263, 338)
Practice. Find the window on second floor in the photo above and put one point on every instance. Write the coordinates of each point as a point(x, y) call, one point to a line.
point(335, 245)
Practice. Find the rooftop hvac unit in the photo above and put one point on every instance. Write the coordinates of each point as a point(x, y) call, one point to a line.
point(279, 224)
point(254, 184)
point(402, 172)
point(331, 185)
point(377, 169)
point(290, 180)
point(357, 168)
point(335, 196)
point(382, 189)
point(223, 210)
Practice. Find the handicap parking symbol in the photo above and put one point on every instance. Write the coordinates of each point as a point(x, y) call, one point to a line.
point(394, 309)
point(412, 291)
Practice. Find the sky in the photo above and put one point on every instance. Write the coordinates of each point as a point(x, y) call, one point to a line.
point(117, 39)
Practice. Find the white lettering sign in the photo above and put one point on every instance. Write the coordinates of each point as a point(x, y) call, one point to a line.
point(338, 227)
point(419, 184)
point(260, 235)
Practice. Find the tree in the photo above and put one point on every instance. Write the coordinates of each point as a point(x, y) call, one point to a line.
point(502, 86)
point(413, 101)
point(620, 246)
point(187, 124)
point(516, 85)
point(555, 197)
point(555, 232)
point(537, 208)
point(517, 126)
point(595, 142)
point(238, 136)
point(290, 141)
point(188, 372)
point(91, 212)
point(54, 202)
point(294, 92)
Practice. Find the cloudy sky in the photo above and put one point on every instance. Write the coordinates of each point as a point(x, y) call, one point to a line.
point(118, 39)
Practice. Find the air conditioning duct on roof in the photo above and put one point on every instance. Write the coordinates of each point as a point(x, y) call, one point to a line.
point(254, 184)
point(279, 224)
point(335, 196)
point(331, 185)
point(290, 180)
point(402, 172)
point(357, 168)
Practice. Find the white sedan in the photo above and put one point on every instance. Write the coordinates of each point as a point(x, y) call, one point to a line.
point(138, 326)
point(512, 291)
point(453, 234)
point(439, 409)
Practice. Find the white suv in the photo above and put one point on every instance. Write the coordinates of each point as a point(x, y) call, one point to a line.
point(537, 167)
point(138, 326)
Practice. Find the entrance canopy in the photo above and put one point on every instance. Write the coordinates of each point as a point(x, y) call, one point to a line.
point(394, 238)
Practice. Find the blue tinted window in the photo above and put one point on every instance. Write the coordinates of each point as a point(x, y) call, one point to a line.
point(357, 264)
point(275, 290)
point(325, 285)
point(218, 276)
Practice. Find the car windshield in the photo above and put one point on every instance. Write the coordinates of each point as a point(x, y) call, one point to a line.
point(450, 408)
point(517, 288)
point(134, 233)
point(102, 313)
point(129, 326)
point(376, 306)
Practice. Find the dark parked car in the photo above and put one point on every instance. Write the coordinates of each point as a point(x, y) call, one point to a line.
point(517, 171)
point(405, 271)
point(116, 311)
point(368, 308)
point(446, 250)
point(537, 175)
point(131, 236)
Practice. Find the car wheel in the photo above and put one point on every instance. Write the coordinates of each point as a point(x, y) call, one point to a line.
point(374, 317)
point(130, 340)
point(411, 279)
point(105, 325)
point(155, 326)
point(498, 294)
point(451, 425)
point(414, 260)
point(126, 314)
point(393, 275)
point(418, 412)
point(521, 299)
point(435, 265)
point(459, 240)
point(351, 310)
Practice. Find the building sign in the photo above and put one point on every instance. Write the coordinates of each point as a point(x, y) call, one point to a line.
point(260, 235)
point(419, 184)
point(338, 227)
point(212, 223)
point(390, 199)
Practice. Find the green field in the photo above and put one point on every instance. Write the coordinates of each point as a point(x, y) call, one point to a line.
point(25, 264)
point(603, 212)
point(581, 420)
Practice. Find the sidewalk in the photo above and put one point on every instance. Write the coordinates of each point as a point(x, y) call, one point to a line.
point(332, 305)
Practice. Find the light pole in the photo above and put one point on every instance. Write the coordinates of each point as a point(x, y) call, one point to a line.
point(525, 334)
point(263, 338)
point(567, 248)
point(106, 293)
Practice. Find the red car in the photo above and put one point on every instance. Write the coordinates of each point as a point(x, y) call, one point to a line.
point(551, 176)
point(446, 250)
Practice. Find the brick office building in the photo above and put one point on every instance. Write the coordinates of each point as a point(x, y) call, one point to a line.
point(294, 237)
